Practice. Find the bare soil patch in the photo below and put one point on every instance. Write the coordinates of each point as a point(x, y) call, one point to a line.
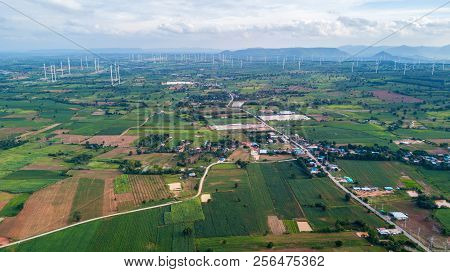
point(276, 225)
point(205, 198)
point(388, 96)
point(372, 193)
point(274, 157)
point(71, 139)
point(304, 226)
point(45, 210)
point(118, 152)
point(412, 193)
point(442, 203)
point(112, 140)
point(4, 241)
point(6, 132)
point(239, 154)
point(318, 117)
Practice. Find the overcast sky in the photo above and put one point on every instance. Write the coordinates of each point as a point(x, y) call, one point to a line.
point(220, 24)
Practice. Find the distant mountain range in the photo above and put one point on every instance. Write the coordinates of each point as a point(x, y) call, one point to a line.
point(314, 53)
point(409, 52)
point(398, 53)
point(393, 53)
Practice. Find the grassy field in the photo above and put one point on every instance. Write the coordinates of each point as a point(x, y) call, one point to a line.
point(232, 210)
point(443, 216)
point(27, 181)
point(291, 242)
point(140, 231)
point(88, 199)
point(14, 205)
point(276, 176)
point(378, 173)
point(121, 184)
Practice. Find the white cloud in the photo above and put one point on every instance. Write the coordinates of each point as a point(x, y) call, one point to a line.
point(208, 23)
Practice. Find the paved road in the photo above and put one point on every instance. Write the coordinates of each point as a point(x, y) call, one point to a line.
point(338, 184)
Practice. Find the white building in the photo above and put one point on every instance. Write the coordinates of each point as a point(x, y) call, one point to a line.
point(398, 215)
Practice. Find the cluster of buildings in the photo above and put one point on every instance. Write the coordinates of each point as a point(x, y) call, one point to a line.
point(439, 160)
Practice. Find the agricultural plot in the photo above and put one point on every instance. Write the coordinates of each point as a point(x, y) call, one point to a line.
point(27, 181)
point(148, 188)
point(185, 212)
point(345, 133)
point(135, 190)
point(379, 173)
point(443, 216)
point(290, 242)
point(276, 177)
point(11, 204)
point(324, 204)
point(44, 210)
point(88, 200)
point(131, 232)
point(234, 209)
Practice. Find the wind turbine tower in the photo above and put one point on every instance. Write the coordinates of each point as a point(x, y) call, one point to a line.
point(68, 64)
point(112, 80)
point(45, 72)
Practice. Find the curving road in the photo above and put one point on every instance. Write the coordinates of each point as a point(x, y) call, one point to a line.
point(200, 188)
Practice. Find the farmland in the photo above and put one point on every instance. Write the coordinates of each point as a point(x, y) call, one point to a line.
point(80, 148)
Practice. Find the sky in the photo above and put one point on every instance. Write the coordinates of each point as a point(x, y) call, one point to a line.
point(220, 24)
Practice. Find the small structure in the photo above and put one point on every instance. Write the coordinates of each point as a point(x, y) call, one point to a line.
point(263, 151)
point(388, 188)
point(286, 112)
point(192, 175)
point(348, 179)
point(384, 231)
point(398, 216)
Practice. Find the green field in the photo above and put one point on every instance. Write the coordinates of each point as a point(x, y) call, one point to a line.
point(139, 231)
point(292, 242)
point(14, 205)
point(378, 173)
point(88, 201)
point(443, 216)
point(121, 184)
point(28, 181)
point(232, 210)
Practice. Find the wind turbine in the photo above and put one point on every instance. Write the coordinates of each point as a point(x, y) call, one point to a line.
point(112, 80)
point(68, 64)
point(45, 72)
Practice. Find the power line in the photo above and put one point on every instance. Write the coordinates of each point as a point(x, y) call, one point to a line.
point(398, 30)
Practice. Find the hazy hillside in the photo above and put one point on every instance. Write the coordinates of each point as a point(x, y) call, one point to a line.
point(316, 53)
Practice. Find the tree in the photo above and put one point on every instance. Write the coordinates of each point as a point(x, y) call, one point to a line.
point(76, 216)
point(347, 197)
point(187, 231)
point(338, 243)
point(270, 245)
